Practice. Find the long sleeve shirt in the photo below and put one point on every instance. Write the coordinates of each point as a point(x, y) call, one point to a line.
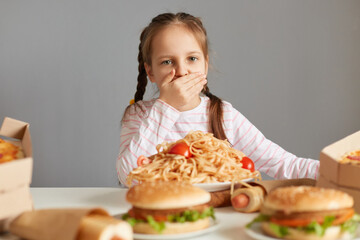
point(149, 123)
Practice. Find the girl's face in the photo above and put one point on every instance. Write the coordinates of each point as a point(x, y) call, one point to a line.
point(175, 47)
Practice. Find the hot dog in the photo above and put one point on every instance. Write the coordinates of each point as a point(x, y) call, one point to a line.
point(240, 201)
point(248, 198)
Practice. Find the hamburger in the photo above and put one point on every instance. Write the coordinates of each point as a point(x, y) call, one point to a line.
point(168, 208)
point(308, 213)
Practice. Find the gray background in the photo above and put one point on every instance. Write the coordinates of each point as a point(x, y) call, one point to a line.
point(69, 68)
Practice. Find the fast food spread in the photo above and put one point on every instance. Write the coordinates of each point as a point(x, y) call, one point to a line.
point(168, 208)
point(351, 157)
point(305, 212)
point(9, 151)
point(197, 158)
point(166, 202)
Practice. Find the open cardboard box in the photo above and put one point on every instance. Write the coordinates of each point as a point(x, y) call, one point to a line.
point(18, 172)
point(16, 175)
point(344, 177)
point(15, 201)
point(355, 193)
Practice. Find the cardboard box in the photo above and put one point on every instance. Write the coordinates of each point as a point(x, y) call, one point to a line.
point(15, 202)
point(344, 175)
point(16, 173)
point(354, 192)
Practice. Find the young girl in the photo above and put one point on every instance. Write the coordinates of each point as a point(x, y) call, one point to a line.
point(173, 53)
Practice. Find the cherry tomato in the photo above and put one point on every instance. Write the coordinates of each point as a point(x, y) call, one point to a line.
point(247, 163)
point(180, 148)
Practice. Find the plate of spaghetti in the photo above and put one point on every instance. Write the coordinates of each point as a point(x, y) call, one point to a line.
point(202, 159)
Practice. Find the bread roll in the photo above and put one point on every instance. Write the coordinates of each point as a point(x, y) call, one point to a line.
point(98, 227)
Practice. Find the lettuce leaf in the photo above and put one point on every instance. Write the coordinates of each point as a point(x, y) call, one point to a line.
point(130, 220)
point(259, 218)
point(313, 228)
point(158, 226)
point(192, 215)
point(187, 216)
point(351, 225)
point(280, 231)
point(319, 229)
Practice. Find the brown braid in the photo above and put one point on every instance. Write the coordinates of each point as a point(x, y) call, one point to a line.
point(216, 114)
point(142, 79)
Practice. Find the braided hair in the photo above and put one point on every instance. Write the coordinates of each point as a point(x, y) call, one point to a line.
point(142, 78)
point(195, 25)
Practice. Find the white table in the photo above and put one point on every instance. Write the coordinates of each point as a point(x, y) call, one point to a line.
point(231, 223)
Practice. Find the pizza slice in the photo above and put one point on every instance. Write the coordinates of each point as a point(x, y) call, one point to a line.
point(352, 158)
point(9, 151)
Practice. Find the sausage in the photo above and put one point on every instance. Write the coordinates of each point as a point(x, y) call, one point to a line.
point(240, 201)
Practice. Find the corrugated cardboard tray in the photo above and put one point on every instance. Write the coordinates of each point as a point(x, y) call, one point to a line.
point(354, 192)
point(15, 202)
point(16, 173)
point(344, 175)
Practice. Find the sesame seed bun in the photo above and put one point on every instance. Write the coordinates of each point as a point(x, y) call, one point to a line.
point(306, 199)
point(166, 195)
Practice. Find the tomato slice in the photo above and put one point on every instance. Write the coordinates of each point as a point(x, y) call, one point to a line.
point(180, 148)
point(296, 222)
point(247, 163)
point(142, 160)
point(160, 218)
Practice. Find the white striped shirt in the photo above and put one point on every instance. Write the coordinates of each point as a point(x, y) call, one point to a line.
point(153, 122)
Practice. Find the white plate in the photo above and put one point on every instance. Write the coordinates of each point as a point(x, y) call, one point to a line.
point(256, 233)
point(213, 187)
point(213, 226)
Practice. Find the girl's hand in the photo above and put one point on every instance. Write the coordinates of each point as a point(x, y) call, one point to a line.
point(182, 93)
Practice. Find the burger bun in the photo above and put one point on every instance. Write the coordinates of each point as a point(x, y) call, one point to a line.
point(306, 199)
point(166, 195)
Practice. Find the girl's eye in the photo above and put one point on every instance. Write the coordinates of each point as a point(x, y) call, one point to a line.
point(193, 59)
point(166, 62)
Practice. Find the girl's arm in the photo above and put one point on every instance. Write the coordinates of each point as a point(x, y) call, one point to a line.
point(269, 157)
point(144, 125)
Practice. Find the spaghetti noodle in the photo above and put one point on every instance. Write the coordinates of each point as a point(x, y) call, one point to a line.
point(212, 160)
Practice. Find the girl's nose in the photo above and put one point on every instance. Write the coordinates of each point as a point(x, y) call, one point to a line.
point(181, 70)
